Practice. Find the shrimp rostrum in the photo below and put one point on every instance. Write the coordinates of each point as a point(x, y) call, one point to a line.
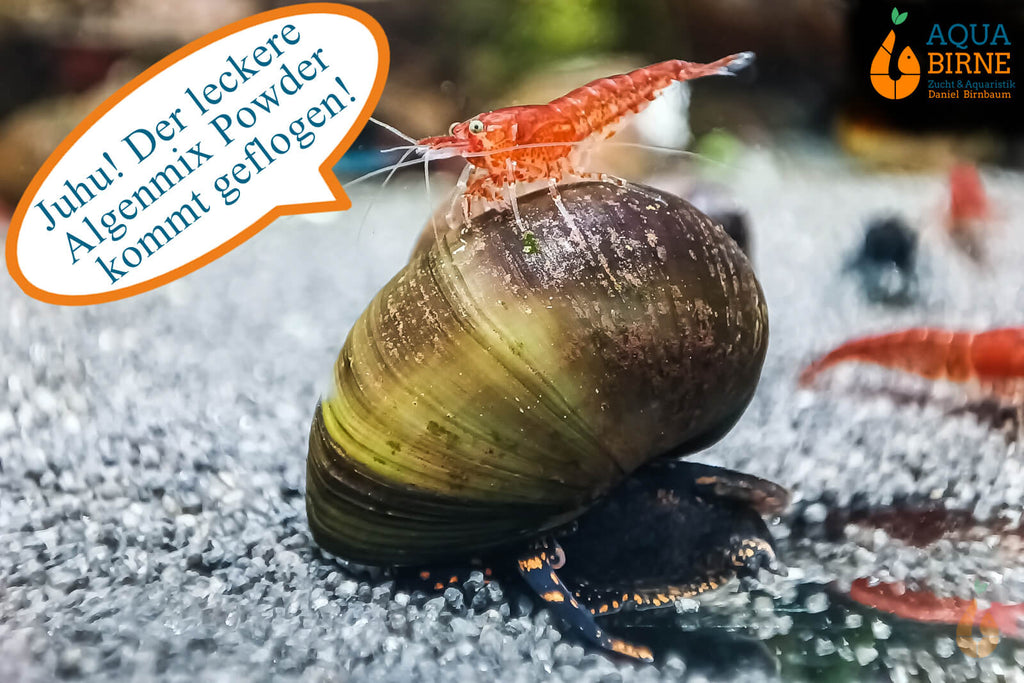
point(544, 142)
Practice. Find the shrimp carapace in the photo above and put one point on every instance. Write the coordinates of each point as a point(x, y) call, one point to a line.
point(522, 144)
point(995, 359)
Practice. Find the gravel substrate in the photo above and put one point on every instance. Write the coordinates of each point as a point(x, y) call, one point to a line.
point(152, 464)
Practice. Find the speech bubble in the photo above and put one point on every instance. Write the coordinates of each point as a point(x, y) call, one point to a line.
point(199, 153)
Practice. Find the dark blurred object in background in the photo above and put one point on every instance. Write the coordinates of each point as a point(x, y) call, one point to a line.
point(60, 59)
point(735, 224)
point(889, 240)
point(886, 261)
point(28, 69)
point(715, 201)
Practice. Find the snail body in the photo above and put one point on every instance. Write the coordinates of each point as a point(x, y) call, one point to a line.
point(502, 384)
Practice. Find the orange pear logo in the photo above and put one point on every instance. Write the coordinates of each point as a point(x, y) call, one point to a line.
point(965, 640)
point(907, 64)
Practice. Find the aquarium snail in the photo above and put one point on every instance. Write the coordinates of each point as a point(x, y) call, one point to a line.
point(498, 392)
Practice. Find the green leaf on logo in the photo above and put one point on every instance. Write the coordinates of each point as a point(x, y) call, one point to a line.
point(898, 18)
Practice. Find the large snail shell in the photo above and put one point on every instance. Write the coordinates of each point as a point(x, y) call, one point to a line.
point(492, 391)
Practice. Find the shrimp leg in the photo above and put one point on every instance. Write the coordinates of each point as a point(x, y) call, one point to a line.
point(600, 177)
point(560, 205)
point(459, 194)
point(510, 192)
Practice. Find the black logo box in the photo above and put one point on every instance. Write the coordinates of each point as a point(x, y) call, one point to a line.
point(870, 21)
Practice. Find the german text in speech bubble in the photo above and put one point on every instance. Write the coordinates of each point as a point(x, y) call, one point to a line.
point(199, 153)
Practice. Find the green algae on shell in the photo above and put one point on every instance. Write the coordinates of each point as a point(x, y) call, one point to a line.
point(490, 393)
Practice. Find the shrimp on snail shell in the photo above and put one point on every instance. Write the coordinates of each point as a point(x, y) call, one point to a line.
point(541, 142)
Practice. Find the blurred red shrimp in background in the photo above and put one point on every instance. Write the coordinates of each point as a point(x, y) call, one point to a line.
point(969, 211)
point(994, 358)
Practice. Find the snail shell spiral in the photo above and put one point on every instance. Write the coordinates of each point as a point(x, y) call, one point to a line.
point(492, 391)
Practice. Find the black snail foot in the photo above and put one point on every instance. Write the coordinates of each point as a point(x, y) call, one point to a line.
point(673, 530)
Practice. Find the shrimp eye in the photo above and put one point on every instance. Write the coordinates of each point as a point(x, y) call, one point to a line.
point(451, 128)
point(476, 126)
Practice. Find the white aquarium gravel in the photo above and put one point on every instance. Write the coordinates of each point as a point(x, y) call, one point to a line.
point(152, 463)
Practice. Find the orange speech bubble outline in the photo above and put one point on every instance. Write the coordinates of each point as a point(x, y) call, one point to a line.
point(341, 201)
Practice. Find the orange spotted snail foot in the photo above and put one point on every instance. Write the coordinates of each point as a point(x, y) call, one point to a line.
point(528, 395)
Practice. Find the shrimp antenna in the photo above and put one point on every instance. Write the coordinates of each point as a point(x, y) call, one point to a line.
point(386, 169)
point(671, 151)
point(376, 195)
point(638, 145)
point(394, 130)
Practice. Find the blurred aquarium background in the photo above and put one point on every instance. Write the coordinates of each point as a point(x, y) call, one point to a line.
point(450, 60)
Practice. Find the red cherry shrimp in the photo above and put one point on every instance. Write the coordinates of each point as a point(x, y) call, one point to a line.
point(546, 143)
